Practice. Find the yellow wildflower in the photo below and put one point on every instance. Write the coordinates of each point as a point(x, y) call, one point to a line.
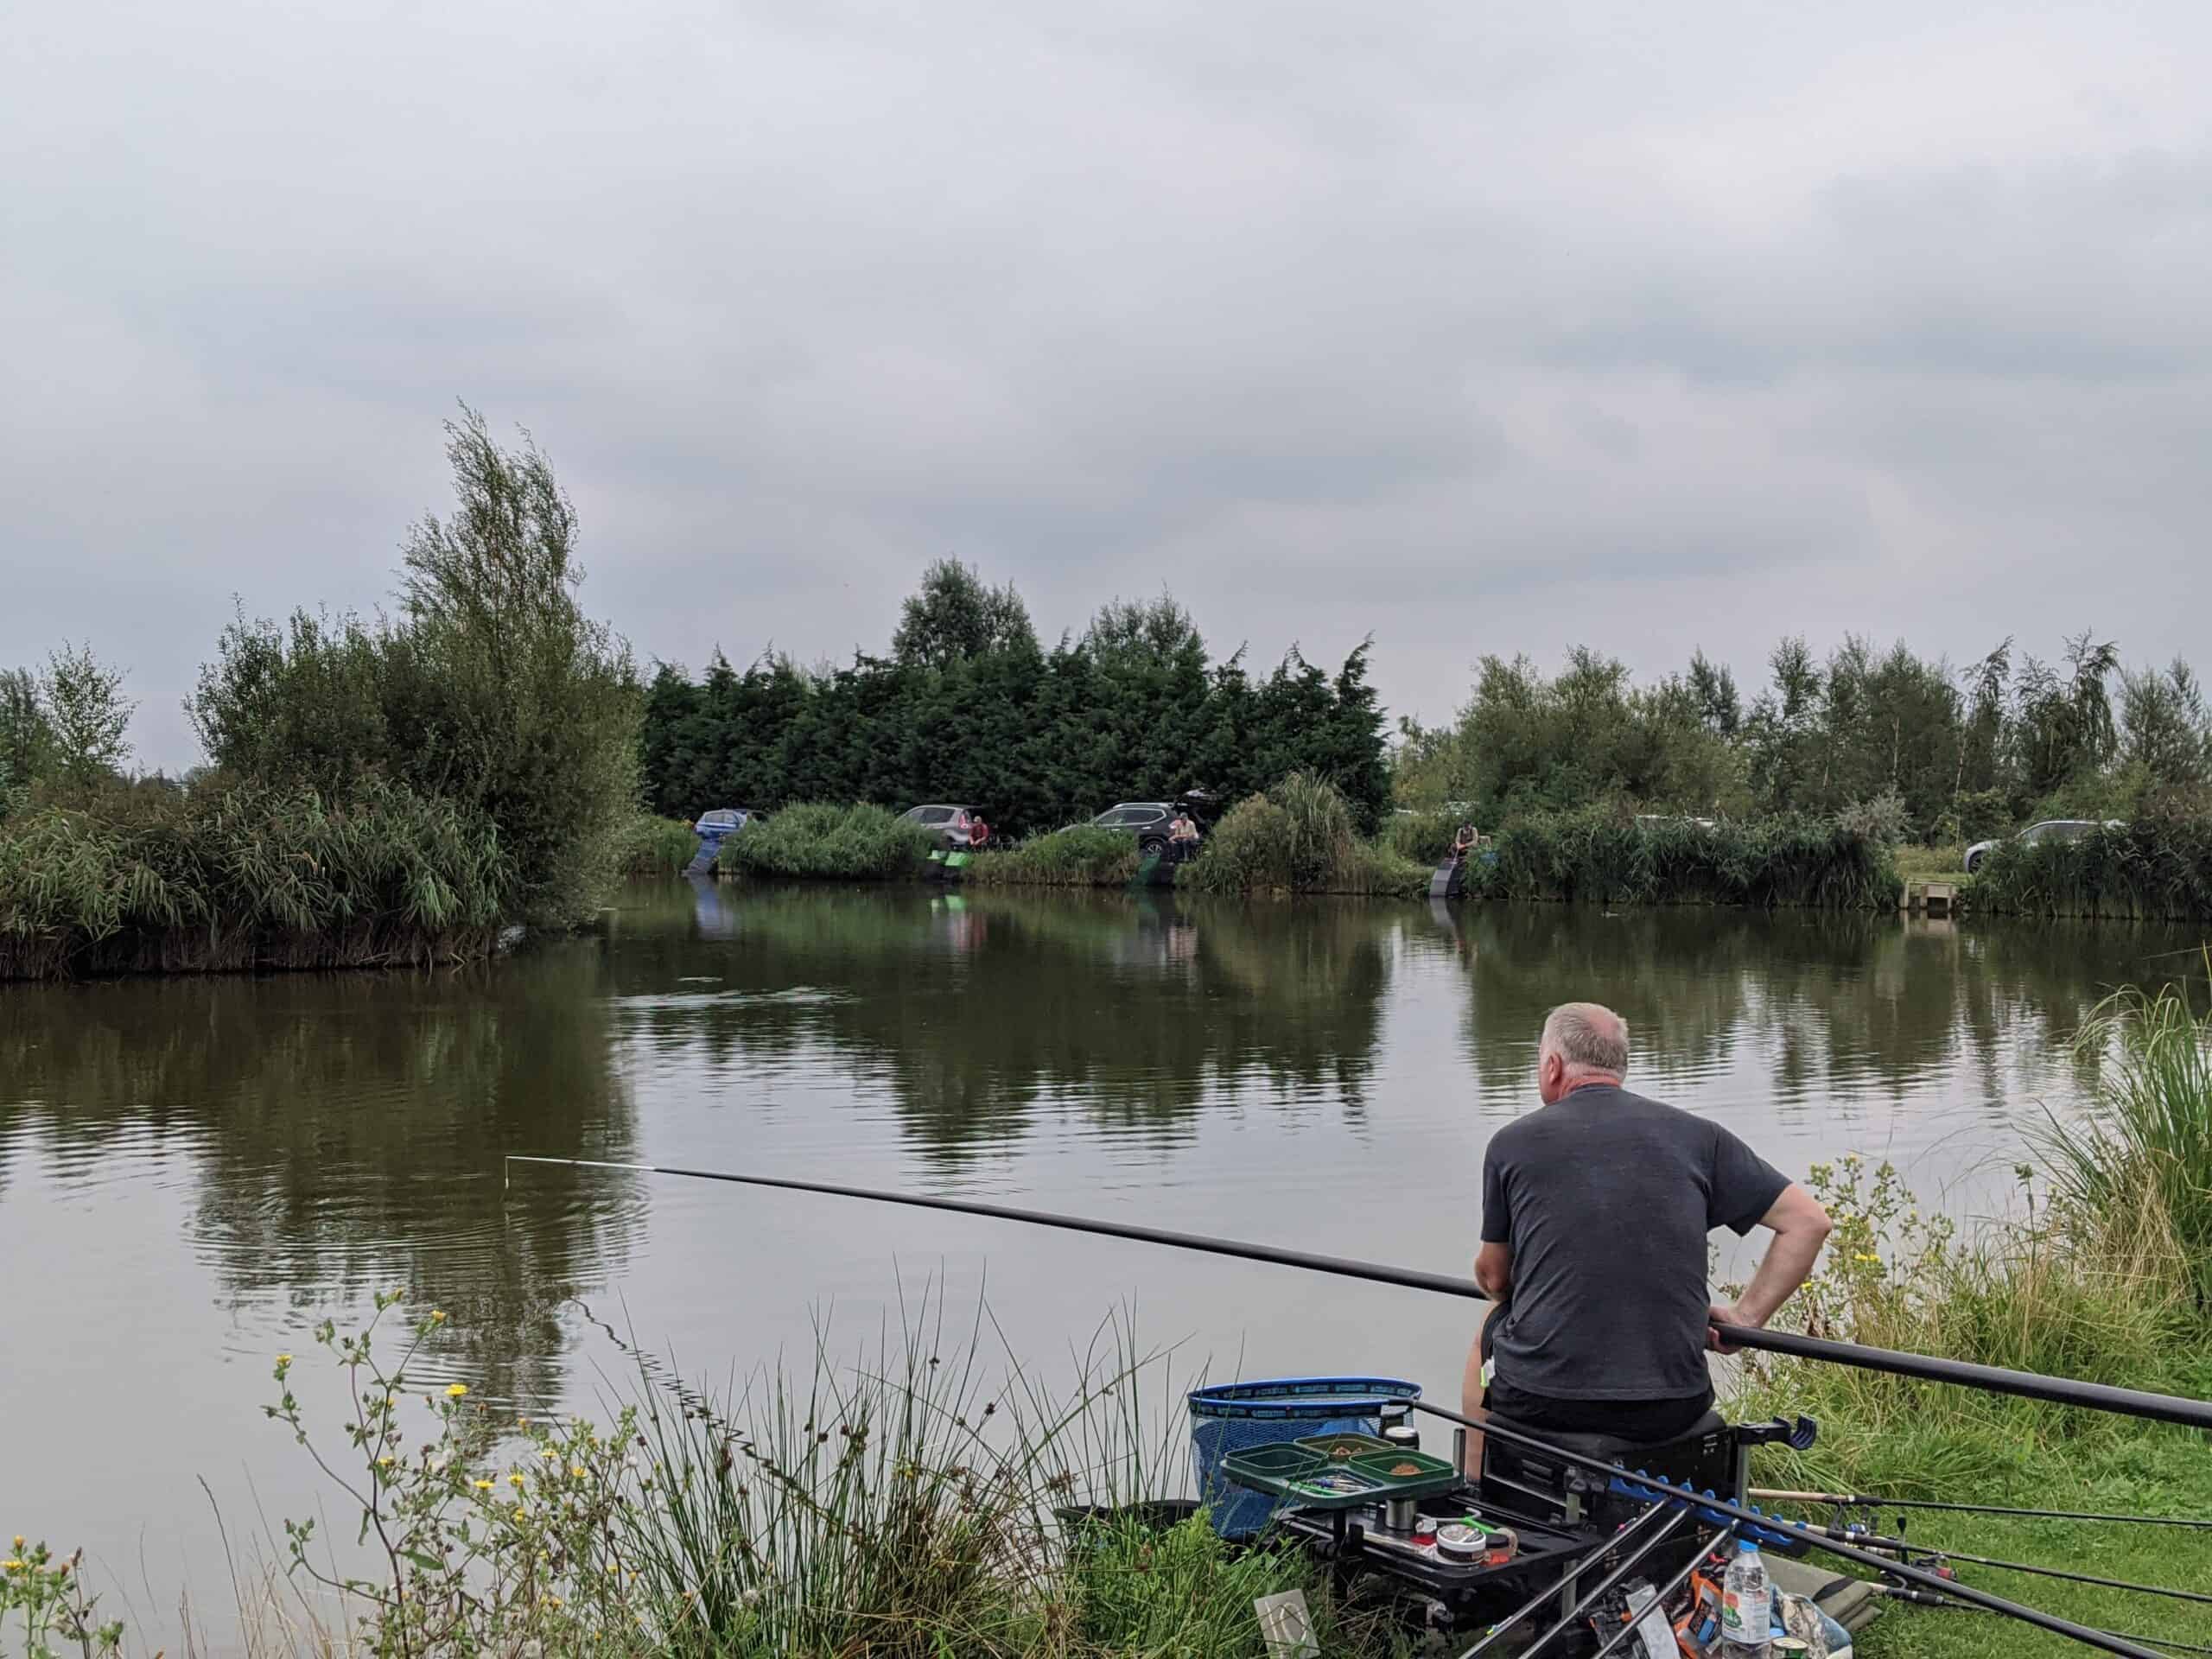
point(384, 1463)
point(12, 1566)
point(550, 1456)
point(437, 1316)
point(516, 1479)
point(19, 1541)
point(1867, 1255)
point(457, 1390)
point(283, 1359)
point(521, 1513)
point(483, 1486)
point(577, 1469)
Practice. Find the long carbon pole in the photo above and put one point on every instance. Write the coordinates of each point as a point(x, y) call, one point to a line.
point(1706, 1504)
point(1861, 1501)
point(2055, 1391)
point(1901, 1548)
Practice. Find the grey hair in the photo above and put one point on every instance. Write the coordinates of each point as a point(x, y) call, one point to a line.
point(1587, 1036)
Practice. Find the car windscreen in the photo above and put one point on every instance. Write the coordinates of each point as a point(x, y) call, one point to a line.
point(930, 815)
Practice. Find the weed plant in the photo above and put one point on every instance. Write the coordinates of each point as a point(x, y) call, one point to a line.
point(1081, 855)
point(852, 844)
point(656, 846)
point(1299, 836)
point(2159, 868)
point(248, 878)
point(1600, 855)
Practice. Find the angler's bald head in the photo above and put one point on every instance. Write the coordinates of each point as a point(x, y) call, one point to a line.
point(1583, 1042)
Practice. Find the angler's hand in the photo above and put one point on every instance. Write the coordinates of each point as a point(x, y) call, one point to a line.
point(1719, 1313)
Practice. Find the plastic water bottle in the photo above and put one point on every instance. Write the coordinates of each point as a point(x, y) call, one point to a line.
point(1746, 1605)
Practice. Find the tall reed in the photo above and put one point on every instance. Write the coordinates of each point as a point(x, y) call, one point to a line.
point(2155, 868)
point(656, 846)
point(1601, 855)
point(852, 843)
point(1298, 837)
point(248, 878)
point(1081, 855)
point(2142, 1151)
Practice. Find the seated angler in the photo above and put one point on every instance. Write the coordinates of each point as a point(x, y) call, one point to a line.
point(1597, 1209)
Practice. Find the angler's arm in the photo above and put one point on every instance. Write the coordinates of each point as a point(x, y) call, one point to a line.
point(1494, 1271)
point(1800, 1226)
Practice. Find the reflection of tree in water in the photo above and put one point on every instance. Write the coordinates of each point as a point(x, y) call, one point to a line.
point(973, 1009)
point(347, 1130)
point(1833, 1000)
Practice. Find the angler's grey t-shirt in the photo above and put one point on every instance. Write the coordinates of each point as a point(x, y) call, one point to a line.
point(1606, 1199)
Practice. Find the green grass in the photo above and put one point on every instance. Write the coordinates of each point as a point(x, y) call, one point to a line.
point(1601, 855)
point(847, 843)
point(2151, 869)
point(1298, 837)
point(1081, 855)
point(1932, 864)
point(248, 878)
point(656, 846)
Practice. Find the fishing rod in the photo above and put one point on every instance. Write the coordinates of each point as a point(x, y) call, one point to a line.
point(1926, 1598)
point(1861, 1501)
point(1898, 1545)
point(2055, 1390)
point(1708, 1506)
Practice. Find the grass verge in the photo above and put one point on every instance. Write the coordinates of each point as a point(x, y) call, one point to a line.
point(656, 846)
point(1081, 855)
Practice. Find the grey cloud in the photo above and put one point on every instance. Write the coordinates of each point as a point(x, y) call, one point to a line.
point(1479, 328)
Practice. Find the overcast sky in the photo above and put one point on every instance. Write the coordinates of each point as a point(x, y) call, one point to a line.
point(1477, 327)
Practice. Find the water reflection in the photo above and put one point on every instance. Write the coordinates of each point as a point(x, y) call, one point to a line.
point(345, 1132)
point(977, 1010)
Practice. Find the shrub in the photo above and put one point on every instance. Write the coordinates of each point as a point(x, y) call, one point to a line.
point(1296, 837)
point(2155, 868)
point(247, 878)
point(1423, 837)
point(1082, 855)
point(656, 846)
point(1602, 856)
point(855, 844)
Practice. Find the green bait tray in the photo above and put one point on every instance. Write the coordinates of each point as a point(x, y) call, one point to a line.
point(1312, 1474)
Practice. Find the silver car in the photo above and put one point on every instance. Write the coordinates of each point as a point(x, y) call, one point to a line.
point(952, 824)
point(2048, 830)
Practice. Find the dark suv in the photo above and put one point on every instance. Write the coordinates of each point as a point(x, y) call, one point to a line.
point(1149, 820)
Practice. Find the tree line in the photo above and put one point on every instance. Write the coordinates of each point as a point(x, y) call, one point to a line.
point(967, 706)
point(1917, 746)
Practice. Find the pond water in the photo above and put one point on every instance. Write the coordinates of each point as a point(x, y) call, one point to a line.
point(194, 1172)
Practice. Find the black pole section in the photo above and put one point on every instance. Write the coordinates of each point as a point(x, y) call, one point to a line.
point(1920, 1598)
point(1648, 1522)
point(1620, 1637)
point(1706, 1504)
point(1903, 1547)
point(2056, 1390)
point(1627, 1565)
point(1860, 1501)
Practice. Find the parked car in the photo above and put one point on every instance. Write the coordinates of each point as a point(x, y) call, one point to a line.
point(1149, 820)
point(2048, 830)
point(953, 824)
point(728, 821)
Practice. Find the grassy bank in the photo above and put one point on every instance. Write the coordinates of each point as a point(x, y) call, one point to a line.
point(1298, 838)
point(2098, 1274)
point(2154, 870)
point(1601, 856)
point(848, 843)
point(656, 846)
point(247, 878)
point(1081, 855)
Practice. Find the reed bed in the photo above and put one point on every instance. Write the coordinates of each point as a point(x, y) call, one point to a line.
point(656, 846)
point(1081, 855)
point(2154, 870)
point(851, 843)
point(248, 878)
point(1604, 856)
point(1299, 836)
point(1423, 837)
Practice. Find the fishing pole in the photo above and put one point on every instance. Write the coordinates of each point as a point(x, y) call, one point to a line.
point(1860, 1501)
point(1885, 1546)
point(1925, 1598)
point(2055, 1390)
point(1709, 1506)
